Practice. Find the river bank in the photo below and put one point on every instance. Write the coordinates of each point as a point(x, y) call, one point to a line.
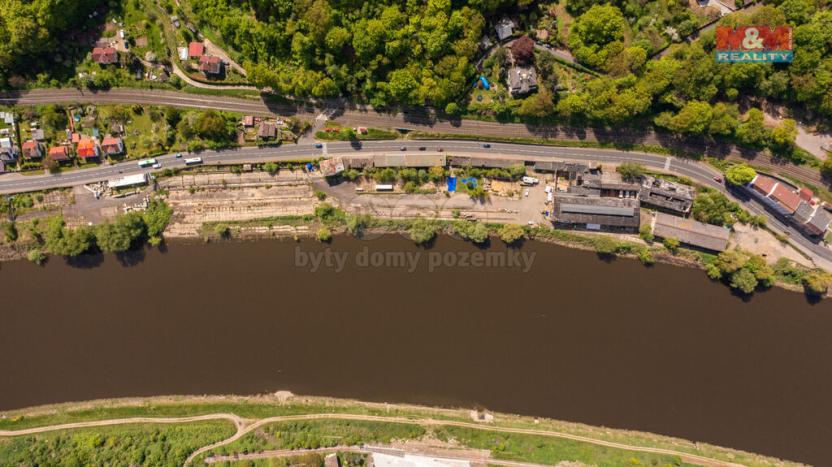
point(556, 441)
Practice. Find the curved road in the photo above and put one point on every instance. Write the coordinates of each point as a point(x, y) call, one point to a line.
point(247, 426)
point(697, 171)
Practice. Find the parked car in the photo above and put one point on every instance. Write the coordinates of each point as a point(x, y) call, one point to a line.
point(319, 146)
point(422, 148)
point(486, 145)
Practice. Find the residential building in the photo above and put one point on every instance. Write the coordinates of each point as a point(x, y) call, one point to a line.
point(522, 80)
point(504, 29)
point(596, 213)
point(88, 149)
point(59, 154)
point(666, 195)
point(248, 121)
point(32, 149)
point(690, 232)
point(196, 50)
point(112, 146)
point(266, 131)
point(38, 135)
point(794, 205)
point(104, 55)
point(210, 65)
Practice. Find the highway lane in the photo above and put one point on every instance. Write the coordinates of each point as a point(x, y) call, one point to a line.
point(700, 172)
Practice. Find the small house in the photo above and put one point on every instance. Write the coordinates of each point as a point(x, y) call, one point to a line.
point(112, 146)
point(248, 121)
point(522, 80)
point(504, 29)
point(104, 55)
point(666, 195)
point(88, 149)
point(32, 149)
point(267, 131)
point(210, 65)
point(332, 167)
point(58, 154)
point(196, 50)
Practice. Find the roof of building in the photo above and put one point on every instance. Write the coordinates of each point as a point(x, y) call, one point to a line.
point(38, 135)
point(691, 232)
point(806, 194)
point(86, 148)
point(59, 153)
point(104, 55)
point(409, 160)
point(804, 212)
point(359, 162)
point(522, 79)
point(763, 184)
point(330, 167)
point(504, 29)
point(196, 49)
point(484, 162)
point(248, 120)
point(560, 166)
point(128, 180)
point(820, 221)
point(609, 181)
point(576, 209)
point(112, 145)
point(267, 130)
point(30, 144)
point(210, 64)
point(666, 194)
point(785, 196)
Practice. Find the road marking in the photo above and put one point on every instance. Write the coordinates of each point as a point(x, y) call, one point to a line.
point(325, 149)
point(667, 164)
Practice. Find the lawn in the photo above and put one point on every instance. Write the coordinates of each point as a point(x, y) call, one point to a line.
point(158, 445)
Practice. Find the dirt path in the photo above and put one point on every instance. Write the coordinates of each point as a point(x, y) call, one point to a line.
point(197, 84)
point(244, 428)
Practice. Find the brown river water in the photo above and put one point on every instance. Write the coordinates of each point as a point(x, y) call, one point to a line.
point(576, 338)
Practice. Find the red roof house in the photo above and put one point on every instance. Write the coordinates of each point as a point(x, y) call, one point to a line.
point(112, 146)
point(32, 149)
point(87, 149)
point(196, 49)
point(806, 194)
point(104, 55)
point(210, 65)
point(788, 198)
point(763, 184)
point(59, 154)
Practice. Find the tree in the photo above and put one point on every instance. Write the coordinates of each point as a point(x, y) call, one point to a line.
point(744, 280)
point(422, 231)
point(323, 235)
point(120, 234)
point(522, 50)
point(630, 171)
point(403, 86)
point(752, 131)
point(712, 207)
point(477, 232)
point(510, 233)
point(537, 105)
point(740, 174)
point(67, 242)
point(452, 109)
point(694, 118)
point(646, 233)
point(156, 218)
point(672, 244)
point(213, 126)
point(783, 135)
point(597, 34)
point(816, 282)
point(270, 167)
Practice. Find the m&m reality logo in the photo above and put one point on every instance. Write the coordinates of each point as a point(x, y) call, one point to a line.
point(754, 44)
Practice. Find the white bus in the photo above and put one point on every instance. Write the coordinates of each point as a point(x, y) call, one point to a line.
point(193, 161)
point(146, 163)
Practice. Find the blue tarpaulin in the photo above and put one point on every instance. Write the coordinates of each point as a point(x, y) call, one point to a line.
point(470, 179)
point(309, 167)
point(451, 184)
point(485, 83)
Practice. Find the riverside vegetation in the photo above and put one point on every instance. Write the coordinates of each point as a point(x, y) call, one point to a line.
point(153, 444)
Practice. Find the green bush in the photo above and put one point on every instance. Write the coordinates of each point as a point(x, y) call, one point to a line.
point(477, 232)
point(646, 233)
point(672, 244)
point(323, 235)
point(740, 174)
point(422, 231)
point(510, 233)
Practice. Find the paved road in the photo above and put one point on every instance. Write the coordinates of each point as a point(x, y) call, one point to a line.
point(697, 171)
